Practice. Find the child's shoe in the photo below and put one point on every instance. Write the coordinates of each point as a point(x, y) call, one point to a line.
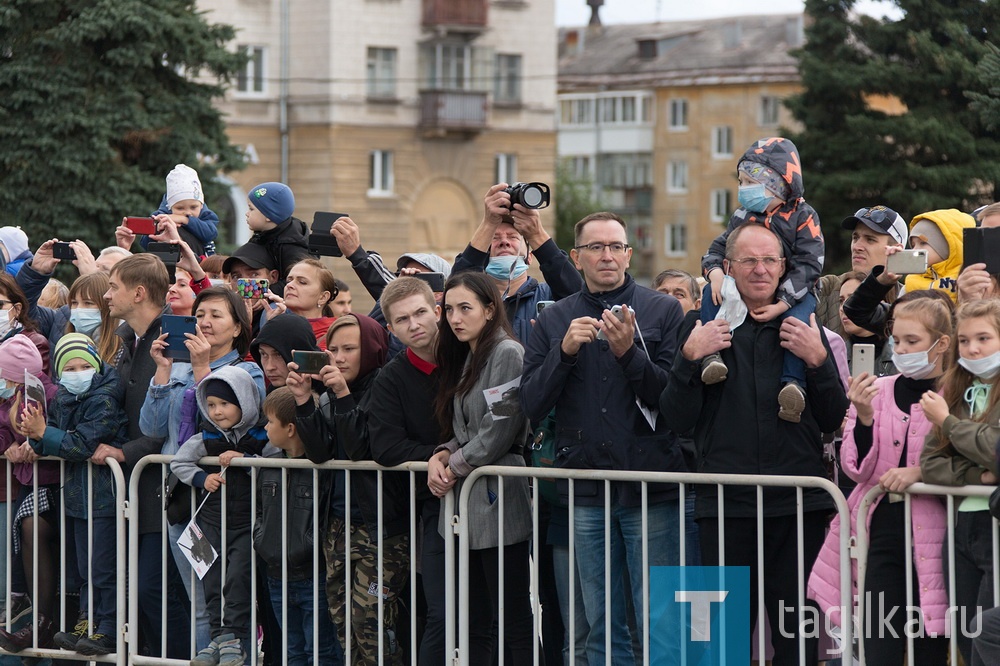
point(792, 401)
point(67, 640)
point(713, 370)
point(97, 644)
point(231, 651)
point(209, 655)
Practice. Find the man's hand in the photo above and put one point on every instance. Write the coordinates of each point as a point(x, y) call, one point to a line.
point(496, 204)
point(707, 339)
point(348, 236)
point(105, 451)
point(804, 340)
point(974, 283)
point(43, 261)
point(769, 312)
point(619, 332)
point(85, 261)
point(333, 379)
point(885, 278)
point(299, 384)
point(581, 331)
point(529, 224)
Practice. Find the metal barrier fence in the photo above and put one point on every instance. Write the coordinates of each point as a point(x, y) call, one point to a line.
point(456, 580)
point(949, 493)
point(65, 623)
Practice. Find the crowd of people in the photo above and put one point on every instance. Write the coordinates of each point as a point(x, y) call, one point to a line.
point(746, 369)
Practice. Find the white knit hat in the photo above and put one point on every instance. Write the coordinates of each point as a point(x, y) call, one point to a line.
point(182, 184)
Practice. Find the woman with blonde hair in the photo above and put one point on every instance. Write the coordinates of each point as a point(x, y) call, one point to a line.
point(309, 293)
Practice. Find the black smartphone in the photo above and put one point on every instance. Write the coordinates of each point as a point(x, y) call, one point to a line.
point(310, 362)
point(169, 253)
point(435, 280)
point(320, 241)
point(63, 251)
point(175, 326)
point(982, 246)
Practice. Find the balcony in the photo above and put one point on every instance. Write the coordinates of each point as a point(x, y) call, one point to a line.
point(452, 112)
point(455, 14)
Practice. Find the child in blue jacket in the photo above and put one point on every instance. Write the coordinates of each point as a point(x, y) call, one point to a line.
point(184, 203)
point(86, 412)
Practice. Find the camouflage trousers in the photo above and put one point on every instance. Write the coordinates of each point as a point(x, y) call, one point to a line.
point(363, 581)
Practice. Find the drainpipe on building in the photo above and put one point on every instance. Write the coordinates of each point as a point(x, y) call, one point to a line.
point(283, 95)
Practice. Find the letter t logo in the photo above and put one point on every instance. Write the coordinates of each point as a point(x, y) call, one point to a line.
point(701, 611)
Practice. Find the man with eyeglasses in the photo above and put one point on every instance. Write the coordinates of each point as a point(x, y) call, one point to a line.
point(737, 431)
point(603, 373)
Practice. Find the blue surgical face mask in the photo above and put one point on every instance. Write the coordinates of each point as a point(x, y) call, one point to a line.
point(78, 382)
point(506, 268)
point(85, 320)
point(7, 392)
point(754, 198)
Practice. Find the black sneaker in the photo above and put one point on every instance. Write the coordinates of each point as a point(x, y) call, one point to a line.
point(67, 640)
point(20, 606)
point(97, 644)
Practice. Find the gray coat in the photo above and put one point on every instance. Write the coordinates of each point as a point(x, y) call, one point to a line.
point(482, 440)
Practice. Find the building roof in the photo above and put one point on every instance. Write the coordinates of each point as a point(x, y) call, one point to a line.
point(732, 50)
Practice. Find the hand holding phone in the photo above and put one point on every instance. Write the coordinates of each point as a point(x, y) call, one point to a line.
point(176, 326)
point(862, 360)
point(62, 250)
point(145, 226)
point(321, 241)
point(907, 262)
point(310, 362)
point(252, 288)
point(435, 280)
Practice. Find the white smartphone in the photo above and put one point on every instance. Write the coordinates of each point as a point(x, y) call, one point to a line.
point(907, 262)
point(862, 360)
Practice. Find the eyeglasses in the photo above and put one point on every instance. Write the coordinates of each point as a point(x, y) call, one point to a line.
point(4, 304)
point(750, 263)
point(598, 248)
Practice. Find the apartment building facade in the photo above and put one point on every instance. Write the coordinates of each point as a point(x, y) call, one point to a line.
point(400, 113)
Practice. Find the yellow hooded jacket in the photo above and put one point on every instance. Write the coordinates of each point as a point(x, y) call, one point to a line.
point(944, 274)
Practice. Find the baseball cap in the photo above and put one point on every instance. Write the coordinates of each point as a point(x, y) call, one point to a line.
point(253, 255)
point(880, 219)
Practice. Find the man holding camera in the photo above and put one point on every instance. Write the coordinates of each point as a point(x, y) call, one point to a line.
point(601, 358)
point(500, 246)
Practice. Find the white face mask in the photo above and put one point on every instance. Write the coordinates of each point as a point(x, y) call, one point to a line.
point(915, 365)
point(5, 324)
point(984, 368)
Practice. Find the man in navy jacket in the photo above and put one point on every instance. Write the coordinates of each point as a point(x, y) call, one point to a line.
point(604, 375)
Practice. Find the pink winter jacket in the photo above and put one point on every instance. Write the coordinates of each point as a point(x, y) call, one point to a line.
point(891, 428)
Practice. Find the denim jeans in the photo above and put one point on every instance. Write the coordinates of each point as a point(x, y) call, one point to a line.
point(102, 574)
point(663, 535)
point(577, 643)
point(297, 620)
point(151, 594)
point(792, 367)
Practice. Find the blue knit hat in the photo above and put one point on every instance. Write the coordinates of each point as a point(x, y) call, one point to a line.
point(274, 200)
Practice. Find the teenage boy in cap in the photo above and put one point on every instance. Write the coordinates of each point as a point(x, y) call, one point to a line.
point(873, 229)
point(285, 238)
point(771, 194)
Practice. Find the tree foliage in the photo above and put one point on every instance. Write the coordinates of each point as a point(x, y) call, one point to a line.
point(575, 198)
point(99, 99)
point(933, 150)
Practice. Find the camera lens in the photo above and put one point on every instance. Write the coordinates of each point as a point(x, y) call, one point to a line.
point(532, 196)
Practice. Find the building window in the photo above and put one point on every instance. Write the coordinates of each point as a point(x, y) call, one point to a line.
point(678, 114)
point(720, 205)
point(507, 82)
point(251, 79)
point(769, 107)
point(722, 142)
point(578, 166)
point(677, 177)
point(647, 109)
point(676, 239)
point(506, 168)
point(576, 112)
point(380, 172)
point(381, 72)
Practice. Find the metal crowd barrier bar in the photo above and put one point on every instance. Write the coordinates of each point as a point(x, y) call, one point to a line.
point(319, 576)
point(119, 656)
point(949, 493)
point(721, 481)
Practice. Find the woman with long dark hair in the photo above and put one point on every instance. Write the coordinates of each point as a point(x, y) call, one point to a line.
point(477, 351)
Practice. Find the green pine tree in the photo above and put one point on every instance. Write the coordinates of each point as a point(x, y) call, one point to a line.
point(575, 198)
point(937, 153)
point(99, 99)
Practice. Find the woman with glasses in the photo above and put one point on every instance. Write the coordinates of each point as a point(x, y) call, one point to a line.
point(770, 194)
point(477, 352)
point(15, 320)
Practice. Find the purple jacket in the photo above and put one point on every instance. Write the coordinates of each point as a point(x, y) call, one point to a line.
point(48, 472)
point(891, 427)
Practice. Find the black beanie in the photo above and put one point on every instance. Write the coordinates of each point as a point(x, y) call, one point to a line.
point(217, 388)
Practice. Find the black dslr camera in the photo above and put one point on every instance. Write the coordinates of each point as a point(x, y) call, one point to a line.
point(529, 195)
